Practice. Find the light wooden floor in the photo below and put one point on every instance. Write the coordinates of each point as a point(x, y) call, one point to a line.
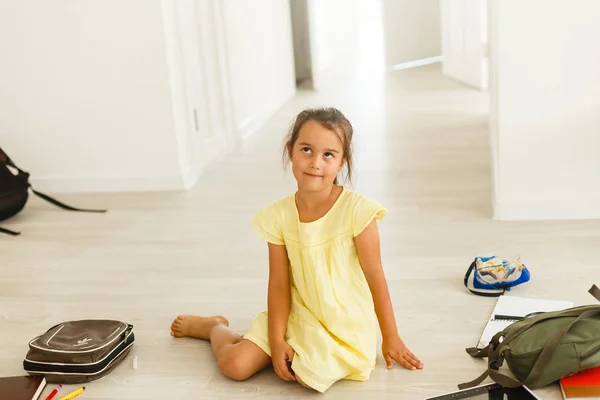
point(422, 150)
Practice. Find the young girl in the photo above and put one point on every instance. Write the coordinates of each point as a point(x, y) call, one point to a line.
point(326, 287)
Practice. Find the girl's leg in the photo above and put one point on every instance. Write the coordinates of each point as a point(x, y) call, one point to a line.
point(237, 358)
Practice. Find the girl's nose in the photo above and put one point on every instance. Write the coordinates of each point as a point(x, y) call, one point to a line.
point(315, 163)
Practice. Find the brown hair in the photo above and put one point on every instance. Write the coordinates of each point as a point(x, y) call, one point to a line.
point(330, 118)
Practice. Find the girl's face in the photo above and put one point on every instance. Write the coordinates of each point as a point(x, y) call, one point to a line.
point(317, 157)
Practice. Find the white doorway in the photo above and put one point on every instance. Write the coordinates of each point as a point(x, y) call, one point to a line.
point(311, 31)
point(199, 81)
point(411, 33)
point(302, 46)
point(335, 36)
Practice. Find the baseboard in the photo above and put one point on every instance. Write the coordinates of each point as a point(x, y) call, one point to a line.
point(416, 63)
point(191, 175)
point(254, 122)
point(97, 185)
point(549, 207)
point(251, 124)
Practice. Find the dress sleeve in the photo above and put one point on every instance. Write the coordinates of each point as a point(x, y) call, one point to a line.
point(365, 210)
point(267, 224)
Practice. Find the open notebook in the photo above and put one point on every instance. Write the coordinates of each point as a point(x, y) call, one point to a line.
point(518, 307)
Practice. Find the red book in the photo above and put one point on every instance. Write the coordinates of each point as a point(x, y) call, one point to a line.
point(582, 385)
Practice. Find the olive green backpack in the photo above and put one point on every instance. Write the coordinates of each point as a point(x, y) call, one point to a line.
point(541, 349)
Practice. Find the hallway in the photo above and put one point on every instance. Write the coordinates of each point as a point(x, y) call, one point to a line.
point(421, 149)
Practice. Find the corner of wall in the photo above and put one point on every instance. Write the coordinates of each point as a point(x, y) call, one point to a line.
point(494, 118)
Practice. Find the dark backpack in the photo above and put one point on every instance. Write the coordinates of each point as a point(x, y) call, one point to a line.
point(79, 351)
point(14, 192)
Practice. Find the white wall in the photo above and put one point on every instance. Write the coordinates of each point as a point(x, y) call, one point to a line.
point(260, 55)
point(320, 35)
point(464, 39)
point(546, 108)
point(337, 21)
point(85, 97)
point(122, 96)
point(411, 30)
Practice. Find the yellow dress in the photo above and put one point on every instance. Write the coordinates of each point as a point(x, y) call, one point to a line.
point(332, 325)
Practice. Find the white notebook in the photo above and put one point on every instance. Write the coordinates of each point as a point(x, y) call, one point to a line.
point(518, 307)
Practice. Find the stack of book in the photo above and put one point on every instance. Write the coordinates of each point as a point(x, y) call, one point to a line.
point(584, 385)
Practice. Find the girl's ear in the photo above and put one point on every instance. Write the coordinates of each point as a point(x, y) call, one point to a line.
point(343, 163)
point(289, 150)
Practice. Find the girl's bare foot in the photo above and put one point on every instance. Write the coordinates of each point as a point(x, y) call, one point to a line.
point(196, 327)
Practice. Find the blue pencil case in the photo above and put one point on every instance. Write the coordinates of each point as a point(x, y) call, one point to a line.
point(491, 276)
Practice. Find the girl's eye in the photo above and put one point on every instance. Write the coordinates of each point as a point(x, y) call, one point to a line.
point(306, 150)
point(328, 155)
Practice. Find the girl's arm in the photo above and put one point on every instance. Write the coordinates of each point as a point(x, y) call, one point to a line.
point(368, 248)
point(279, 309)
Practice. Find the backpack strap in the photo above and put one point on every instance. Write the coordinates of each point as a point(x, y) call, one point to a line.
point(480, 353)
point(56, 203)
point(63, 205)
point(6, 161)
point(495, 361)
point(9, 232)
point(595, 291)
point(488, 293)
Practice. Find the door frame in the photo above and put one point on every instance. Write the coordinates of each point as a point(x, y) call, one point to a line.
point(184, 123)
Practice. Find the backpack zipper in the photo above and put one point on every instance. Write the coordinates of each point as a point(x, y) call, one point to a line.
point(125, 329)
point(590, 353)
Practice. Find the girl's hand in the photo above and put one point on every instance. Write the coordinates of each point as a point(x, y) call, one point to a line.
point(281, 354)
point(394, 349)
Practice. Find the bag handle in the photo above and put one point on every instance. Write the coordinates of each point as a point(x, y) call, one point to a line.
point(5, 160)
point(574, 312)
